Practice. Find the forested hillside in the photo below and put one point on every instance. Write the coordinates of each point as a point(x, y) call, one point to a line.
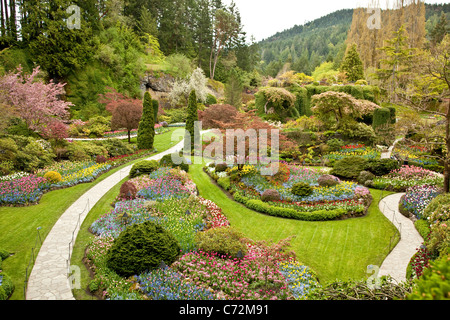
point(119, 42)
point(307, 46)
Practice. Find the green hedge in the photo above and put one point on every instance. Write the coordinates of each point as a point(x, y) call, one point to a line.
point(260, 206)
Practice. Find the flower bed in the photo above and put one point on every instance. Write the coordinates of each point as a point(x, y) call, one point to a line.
point(325, 202)
point(417, 198)
point(359, 150)
point(22, 191)
point(263, 272)
point(406, 177)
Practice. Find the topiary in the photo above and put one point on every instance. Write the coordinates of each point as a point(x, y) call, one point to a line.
point(53, 177)
point(270, 195)
point(301, 189)
point(328, 180)
point(349, 167)
point(381, 167)
point(224, 241)
point(142, 247)
point(143, 167)
point(127, 191)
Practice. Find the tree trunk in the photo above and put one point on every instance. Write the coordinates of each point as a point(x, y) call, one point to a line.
point(129, 136)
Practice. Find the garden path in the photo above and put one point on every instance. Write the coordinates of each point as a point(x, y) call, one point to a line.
point(49, 278)
point(397, 261)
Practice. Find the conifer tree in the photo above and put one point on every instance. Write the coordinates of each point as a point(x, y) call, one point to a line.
point(146, 130)
point(352, 65)
point(440, 30)
point(192, 130)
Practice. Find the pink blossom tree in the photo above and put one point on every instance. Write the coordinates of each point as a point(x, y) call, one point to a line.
point(36, 102)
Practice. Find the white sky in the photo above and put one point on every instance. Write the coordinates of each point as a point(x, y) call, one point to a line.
point(264, 18)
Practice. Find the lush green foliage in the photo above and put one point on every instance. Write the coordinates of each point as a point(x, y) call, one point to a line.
point(142, 247)
point(302, 189)
point(223, 241)
point(143, 167)
point(349, 167)
point(146, 130)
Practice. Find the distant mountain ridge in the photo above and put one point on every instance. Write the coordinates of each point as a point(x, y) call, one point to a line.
point(306, 46)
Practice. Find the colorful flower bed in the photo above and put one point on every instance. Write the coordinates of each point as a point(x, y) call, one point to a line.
point(359, 150)
point(324, 202)
point(263, 272)
point(406, 177)
point(417, 198)
point(24, 190)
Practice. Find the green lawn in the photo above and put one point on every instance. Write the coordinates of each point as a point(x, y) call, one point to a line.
point(334, 249)
point(18, 225)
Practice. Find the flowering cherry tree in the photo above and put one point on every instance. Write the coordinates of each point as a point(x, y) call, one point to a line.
point(36, 102)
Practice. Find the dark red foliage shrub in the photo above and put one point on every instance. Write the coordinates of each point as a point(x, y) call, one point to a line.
point(100, 159)
point(270, 195)
point(216, 114)
point(127, 191)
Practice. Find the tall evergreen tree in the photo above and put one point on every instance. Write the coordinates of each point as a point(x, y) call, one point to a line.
point(233, 89)
point(352, 64)
point(192, 134)
point(440, 30)
point(146, 129)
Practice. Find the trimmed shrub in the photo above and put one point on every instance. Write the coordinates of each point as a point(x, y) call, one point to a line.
point(328, 180)
point(224, 241)
point(270, 195)
point(127, 191)
point(302, 189)
point(221, 167)
point(381, 167)
point(381, 116)
point(349, 167)
point(143, 167)
point(166, 161)
point(142, 247)
point(146, 129)
point(365, 176)
point(53, 177)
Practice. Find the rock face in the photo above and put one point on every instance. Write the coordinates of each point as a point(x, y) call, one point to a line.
point(162, 83)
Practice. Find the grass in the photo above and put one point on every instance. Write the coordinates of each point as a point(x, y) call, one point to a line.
point(334, 249)
point(18, 225)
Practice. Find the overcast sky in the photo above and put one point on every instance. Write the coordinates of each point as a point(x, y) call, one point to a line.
point(264, 18)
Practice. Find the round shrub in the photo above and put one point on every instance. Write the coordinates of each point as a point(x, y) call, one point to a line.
point(143, 167)
point(221, 167)
point(381, 167)
point(127, 191)
point(270, 195)
point(302, 189)
point(223, 240)
point(166, 161)
point(349, 167)
point(365, 176)
point(328, 180)
point(142, 247)
point(53, 177)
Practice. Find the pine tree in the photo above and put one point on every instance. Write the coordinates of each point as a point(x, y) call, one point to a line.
point(440, 30)
point(233, 89)
point(352, 65)
point(146, 129)
point(396, 66)
point(192, 130)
